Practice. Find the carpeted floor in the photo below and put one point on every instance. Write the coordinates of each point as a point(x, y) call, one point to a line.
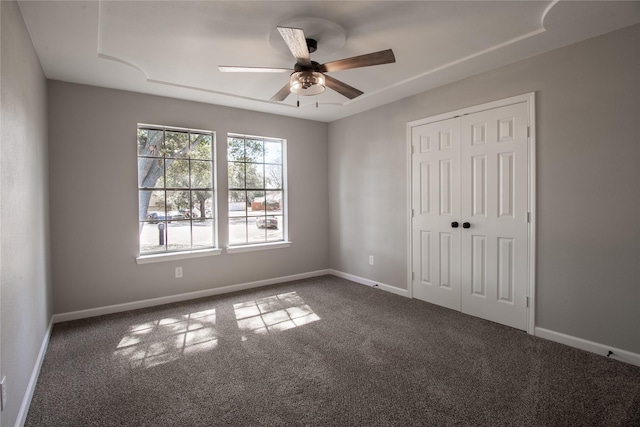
point(321, 352)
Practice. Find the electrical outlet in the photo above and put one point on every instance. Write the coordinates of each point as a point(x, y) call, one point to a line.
point(3, 386)
point(371, 260)
point(178, 272)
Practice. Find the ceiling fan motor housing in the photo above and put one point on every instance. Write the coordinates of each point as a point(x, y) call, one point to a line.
point(312, 45)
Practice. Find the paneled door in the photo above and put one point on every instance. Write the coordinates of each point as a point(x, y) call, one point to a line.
point(436, 204)
point(470, 203)
point(494, 204)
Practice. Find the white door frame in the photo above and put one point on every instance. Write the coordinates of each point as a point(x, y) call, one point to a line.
point(529, 98)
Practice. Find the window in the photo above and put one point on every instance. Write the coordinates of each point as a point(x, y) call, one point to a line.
point(256, 171)
point(175, 189)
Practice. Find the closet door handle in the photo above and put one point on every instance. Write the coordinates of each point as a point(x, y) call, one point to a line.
point(466, 225)
point(454, 224)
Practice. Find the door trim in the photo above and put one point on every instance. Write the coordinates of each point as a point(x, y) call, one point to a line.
point(529, 99)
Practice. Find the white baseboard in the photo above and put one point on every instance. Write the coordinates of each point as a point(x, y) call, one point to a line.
point(117, 308)
point(31, 387)
point(372, 283)
point(590, 346)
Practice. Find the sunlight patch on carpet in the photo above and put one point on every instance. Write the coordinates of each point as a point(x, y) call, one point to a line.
point(272, 314)
point(155, 343)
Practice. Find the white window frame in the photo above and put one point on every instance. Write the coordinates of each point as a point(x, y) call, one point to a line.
point(285, 242)
point(168, 255)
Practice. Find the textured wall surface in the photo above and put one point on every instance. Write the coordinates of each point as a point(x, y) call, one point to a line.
point(24, 225)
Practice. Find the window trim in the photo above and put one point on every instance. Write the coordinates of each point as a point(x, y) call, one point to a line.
point(168, 255)
point(258, 247)
point(175, 256)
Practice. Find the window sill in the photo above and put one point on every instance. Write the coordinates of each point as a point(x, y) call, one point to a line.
point(260, 247)
point(148, 259)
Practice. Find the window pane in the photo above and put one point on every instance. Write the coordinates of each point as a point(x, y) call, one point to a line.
point(151, 205)
point(236, 174)
point(273, 152)
point(143, 138)
point(152, 237)
point(276, 233)
point(254, 151)
point(176, 144)
point(179, 236)
point(255, 175)
point(177, 173)
point(201, 174)
point(150, 142)
point(237, 231)
point(273, 176)
point(237, 203)
point(256, 203)
point(274, 202)
point(235, 149)
point(257, 230)
point(201, 146)
point(178, 205)
point(201, 204)
point(150, 172)
point(202, 232)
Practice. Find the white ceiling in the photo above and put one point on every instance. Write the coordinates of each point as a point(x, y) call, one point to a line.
point(173, 48)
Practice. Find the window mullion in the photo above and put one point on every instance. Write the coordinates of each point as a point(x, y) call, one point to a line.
point(165, 229)
point(190, 191)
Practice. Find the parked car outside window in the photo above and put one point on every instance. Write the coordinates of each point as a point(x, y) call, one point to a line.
point(267, 222)
point(155, 217)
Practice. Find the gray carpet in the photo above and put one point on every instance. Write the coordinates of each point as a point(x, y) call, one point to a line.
point(321, 352)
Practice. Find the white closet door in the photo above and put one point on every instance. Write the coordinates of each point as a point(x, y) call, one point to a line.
point(494, 191)
point(470, 195)
point(436, 204)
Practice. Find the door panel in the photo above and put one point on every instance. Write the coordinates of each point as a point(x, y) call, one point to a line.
point(478, 266)
point(506, 183)
point(497, 175)
point(445, 260)
point(435, 204)
point(479, 186)
point(445, 187)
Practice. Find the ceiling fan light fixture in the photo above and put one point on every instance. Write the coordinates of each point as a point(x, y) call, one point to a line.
point(307, 83)
point(308, 78)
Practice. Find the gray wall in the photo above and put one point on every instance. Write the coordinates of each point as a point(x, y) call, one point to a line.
point(588, 180)
point(93, 184)
point(24, 250)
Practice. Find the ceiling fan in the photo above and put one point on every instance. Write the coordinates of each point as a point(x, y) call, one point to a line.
point(308, 77)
